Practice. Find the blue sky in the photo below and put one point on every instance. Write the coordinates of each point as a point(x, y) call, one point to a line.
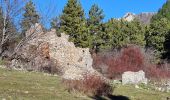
point(112, 8)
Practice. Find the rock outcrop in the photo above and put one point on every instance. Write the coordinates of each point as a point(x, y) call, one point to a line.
point(129, 17)
point(134, 77)
point(45, 51)
point(144, 18)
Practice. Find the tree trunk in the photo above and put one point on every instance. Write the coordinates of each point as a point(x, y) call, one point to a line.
point(3, 34)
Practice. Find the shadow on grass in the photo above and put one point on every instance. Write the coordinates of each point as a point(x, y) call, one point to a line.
point(111, 97)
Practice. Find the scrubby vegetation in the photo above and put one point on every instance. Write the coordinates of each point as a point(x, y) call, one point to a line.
point(116, 46)
point(91, 85)
point(131, 58)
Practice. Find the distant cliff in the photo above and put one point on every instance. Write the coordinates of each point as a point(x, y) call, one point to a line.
point(143, 17)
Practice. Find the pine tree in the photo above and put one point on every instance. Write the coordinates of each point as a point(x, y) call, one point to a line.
point(95, 18)
point(94, 23)
point(116, 36)
point(164, 12)
point(55, 23)
point(157, 34)
point(166, 55)
point(119, 33)
point(136, 33)
point(73, 23)
point(30, 17)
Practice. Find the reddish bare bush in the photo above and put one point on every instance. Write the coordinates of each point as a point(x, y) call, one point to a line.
point(131, 58)
point(90, 85)
point(156, 72)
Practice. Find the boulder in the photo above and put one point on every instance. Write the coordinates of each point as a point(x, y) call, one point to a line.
point(45, 51)
point(134, 77)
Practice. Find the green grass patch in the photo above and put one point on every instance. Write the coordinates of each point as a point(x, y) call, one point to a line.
point(2, 62)
point(17, 85)
point(20, 85)
point(140, 94)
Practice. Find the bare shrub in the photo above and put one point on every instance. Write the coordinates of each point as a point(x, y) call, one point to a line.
point(90, 85)
point(131, 58)
point(155, 72)
point(128, 59)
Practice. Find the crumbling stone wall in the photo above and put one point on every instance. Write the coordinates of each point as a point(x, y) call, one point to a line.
point(46, 51)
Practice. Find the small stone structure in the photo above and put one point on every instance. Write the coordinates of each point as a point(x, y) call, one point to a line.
point(46, 51)
point(134, 77)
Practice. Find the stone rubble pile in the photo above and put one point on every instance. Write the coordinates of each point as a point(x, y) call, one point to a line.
point(45, 51)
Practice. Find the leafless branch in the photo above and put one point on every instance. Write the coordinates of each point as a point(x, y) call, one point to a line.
point(11, 10)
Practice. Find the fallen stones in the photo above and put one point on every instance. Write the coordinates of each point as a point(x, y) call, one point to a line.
point(164, 87)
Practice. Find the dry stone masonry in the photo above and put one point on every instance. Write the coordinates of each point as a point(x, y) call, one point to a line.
point(45, 51)
point(134, 77)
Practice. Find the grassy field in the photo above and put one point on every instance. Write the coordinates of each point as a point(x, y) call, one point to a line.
point(18, 85)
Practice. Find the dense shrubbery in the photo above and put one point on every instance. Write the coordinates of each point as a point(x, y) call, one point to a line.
point(91, 85)
point(131, 58)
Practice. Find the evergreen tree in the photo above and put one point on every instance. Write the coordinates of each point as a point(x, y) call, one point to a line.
point(164, 12)
point(30, 17)
point(157, 34)
point(120, 33)
point(136, 32)
point(73, 23)
point(55, 23)
point(116, 36)
point(95, 18)
point(94, 23)
point(167, 47)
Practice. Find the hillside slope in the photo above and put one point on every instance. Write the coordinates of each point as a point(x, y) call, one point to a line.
point(17, 85)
